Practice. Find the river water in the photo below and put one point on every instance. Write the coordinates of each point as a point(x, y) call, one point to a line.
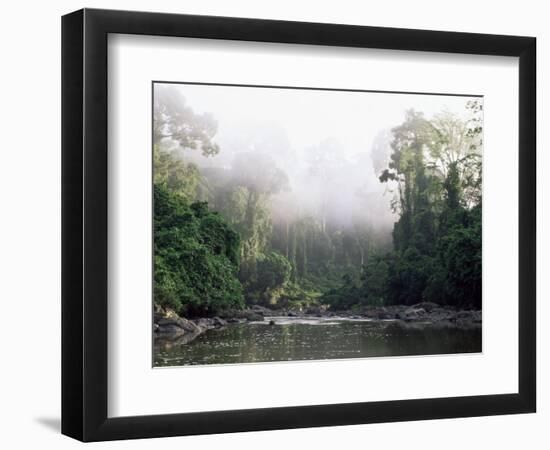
point(294, 339)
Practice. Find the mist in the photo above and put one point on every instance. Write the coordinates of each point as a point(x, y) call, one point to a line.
point(329, 146)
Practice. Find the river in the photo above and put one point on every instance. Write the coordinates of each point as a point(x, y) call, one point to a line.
point(294, 339)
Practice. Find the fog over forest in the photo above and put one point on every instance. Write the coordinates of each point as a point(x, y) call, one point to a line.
point(331, 145)
point(300, 197)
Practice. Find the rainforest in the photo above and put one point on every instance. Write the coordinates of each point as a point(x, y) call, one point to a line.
point(296, 224)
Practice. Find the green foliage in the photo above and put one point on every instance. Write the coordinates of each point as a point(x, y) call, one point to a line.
point(265, 282)
point(347, 295)
point(260, 248)
point(176, 122)
point(196, 257)
point(273, 270)
point(435, 168)
point(181, 178)
point(408, 274)
point(457, 279)
point(243, 196)
point(438, 235)
point(375, 282)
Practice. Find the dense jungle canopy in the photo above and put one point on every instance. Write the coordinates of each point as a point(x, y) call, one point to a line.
point(250, 219)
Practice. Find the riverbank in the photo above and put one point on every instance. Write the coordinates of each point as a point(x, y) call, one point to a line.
point(168, 325)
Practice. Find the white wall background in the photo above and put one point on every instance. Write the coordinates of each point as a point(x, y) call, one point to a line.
point(30, 222)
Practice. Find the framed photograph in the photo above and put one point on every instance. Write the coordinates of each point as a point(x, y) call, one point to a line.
point(272, 224)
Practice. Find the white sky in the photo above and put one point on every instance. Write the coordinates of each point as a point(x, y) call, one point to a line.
point(310, 116)
point(291, 125)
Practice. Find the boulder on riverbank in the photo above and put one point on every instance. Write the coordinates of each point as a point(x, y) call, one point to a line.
point(435, 314)
point(426, 306)
point(176, 324)
point(422, 313)
point(167, 324)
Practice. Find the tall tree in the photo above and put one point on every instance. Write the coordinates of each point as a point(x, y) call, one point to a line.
point(177, 122)
point(177, 128)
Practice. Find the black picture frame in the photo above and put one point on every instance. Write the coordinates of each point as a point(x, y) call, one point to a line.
point(84, 224)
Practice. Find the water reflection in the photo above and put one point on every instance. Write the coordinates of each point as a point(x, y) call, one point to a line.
point(292, 339)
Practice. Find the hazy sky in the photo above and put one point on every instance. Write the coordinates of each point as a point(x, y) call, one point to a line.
point(310, 116)
point(322, 140)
